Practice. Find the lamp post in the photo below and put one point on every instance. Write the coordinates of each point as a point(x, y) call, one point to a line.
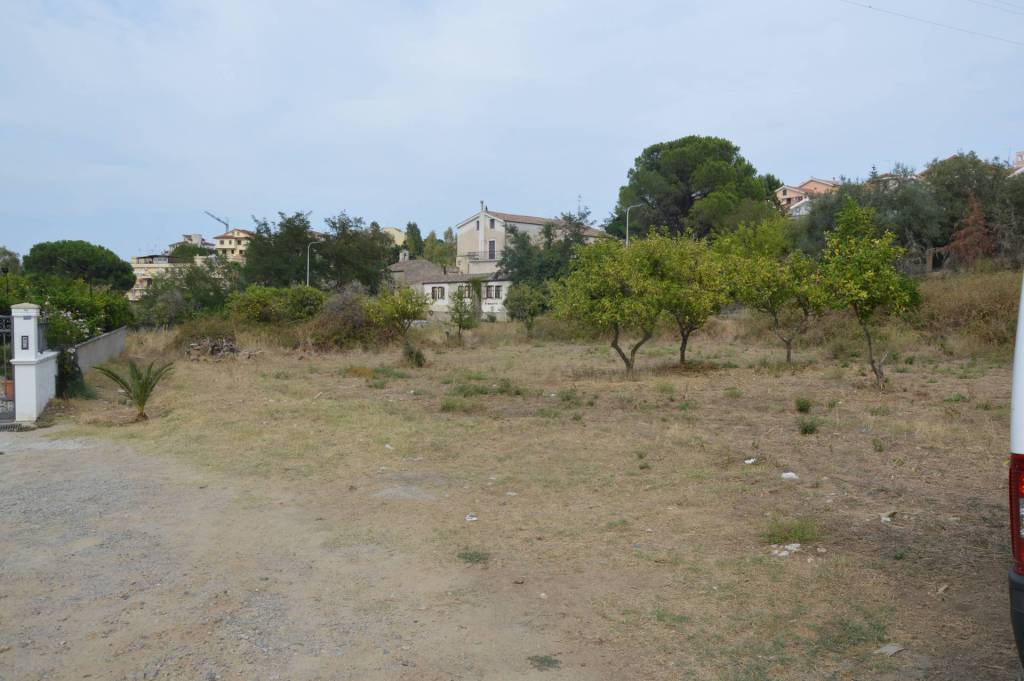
point(635, 205)
point(308, 247)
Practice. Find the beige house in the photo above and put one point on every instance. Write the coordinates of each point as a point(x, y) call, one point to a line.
point(146, 268)
point(233, 243)
point(480, 241)
point(791, 197)
point(397, 235)
point(481, 237)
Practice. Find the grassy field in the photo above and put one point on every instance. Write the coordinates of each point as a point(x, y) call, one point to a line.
point(644, 520)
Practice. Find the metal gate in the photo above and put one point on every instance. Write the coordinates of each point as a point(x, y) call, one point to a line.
point(6, 370)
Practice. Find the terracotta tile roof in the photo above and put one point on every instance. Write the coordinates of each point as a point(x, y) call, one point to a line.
point(533, 220)
point(229, 235)
point(525, 219)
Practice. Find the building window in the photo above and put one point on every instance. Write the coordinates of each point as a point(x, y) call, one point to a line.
point(490, 250)
point(437, 292)
point(785, 192)
point(492, 223)
point(478, 225)
point(493, 292)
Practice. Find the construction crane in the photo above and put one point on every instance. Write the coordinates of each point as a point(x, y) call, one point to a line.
point(222, 221)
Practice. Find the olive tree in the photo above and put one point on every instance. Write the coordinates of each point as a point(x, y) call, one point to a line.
point(611, 288)
point(858, 273)
point(691, 282)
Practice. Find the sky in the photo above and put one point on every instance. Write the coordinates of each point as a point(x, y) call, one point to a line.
point(121, 121)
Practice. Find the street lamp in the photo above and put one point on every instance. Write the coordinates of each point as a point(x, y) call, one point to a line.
point(308, 247)
point(635, 205)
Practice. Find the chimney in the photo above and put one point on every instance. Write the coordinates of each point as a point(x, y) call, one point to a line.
point(403, 255)
point(482, 206)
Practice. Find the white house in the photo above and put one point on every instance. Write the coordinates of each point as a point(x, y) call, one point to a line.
point(441, 290)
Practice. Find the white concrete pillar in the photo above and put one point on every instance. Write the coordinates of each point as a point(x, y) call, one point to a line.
point(35, 372)
point(25, 330)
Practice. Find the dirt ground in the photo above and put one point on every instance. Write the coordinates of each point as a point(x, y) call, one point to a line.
point(302, 516)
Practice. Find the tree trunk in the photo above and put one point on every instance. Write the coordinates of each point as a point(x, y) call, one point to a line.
point(684, 339)
point(789, 350)
point(876, 365)
point(632, 353)
point(627, 360)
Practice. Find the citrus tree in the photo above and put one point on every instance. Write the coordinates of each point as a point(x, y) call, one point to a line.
point(395, 311)
point(463, 310)
point(691, 281)
point(772, 278)
point(524, 303)
point(611, 289)
point(858, 273)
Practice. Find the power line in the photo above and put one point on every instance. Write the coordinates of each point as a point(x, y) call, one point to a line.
point(934, 23)
point(999, 7)
point(1009, 4)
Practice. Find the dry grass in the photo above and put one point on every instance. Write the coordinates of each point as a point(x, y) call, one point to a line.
point(628, 502)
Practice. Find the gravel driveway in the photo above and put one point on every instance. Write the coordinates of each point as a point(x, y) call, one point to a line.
point(116, 565)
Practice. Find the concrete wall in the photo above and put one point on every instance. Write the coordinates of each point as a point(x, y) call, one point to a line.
point(101, 348)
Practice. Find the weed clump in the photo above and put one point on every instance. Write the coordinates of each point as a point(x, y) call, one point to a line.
point(473, 557)
point(808, 425)
point(802, 530)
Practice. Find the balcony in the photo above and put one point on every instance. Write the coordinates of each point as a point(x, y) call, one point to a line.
point(482, 256)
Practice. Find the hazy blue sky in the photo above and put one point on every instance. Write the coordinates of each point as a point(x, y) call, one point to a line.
point(120, 125)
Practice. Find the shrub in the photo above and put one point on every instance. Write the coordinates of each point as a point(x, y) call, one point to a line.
point(263, 304)
point(344, 321)
point(75, 311)
point(413, 356)
point(803, 405)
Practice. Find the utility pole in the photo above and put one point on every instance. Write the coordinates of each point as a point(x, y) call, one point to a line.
point(308, 247)
point(635, 205)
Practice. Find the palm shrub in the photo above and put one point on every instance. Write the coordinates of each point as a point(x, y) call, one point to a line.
point(139, 385)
